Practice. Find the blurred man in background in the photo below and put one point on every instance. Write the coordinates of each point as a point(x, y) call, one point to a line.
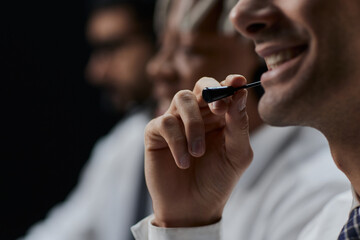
point(111, 194)
point(122, 41)
point(199, 40)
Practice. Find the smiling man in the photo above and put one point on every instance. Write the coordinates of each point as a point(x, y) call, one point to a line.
point(195, 152)
point(285, 158)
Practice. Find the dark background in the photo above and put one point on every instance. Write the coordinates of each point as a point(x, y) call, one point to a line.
point(50, 116)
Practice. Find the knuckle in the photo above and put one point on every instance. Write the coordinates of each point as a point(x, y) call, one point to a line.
point(203, 82)
point(206, 78)
point(150, 131)
point(185, 96)
point(149, 126)
point(173, 134)
point(168, 121)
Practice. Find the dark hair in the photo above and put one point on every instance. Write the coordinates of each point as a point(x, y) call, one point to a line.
point(143, 11)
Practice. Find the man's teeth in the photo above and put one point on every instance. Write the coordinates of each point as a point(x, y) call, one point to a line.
point(277, 59)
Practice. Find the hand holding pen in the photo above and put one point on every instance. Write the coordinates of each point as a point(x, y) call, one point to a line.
point(195, 154)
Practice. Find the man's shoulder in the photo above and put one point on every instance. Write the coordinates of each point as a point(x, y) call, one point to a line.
point(128, 130)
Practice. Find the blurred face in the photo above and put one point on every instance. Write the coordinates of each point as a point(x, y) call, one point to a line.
point(119, 59)
point(311, 48)
point(185, 57)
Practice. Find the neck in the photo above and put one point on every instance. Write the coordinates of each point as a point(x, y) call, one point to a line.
point(344, 144)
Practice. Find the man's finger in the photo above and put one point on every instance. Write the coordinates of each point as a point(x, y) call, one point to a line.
point(218, 107)
point(171, 129)
point(190, 115)
point(237, 142)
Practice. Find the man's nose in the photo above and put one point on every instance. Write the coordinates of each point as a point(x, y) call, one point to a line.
point(251, 17)
point(96, 70)
point(161, 67)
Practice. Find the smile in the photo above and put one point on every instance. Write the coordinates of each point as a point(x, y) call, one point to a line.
point(276, 59)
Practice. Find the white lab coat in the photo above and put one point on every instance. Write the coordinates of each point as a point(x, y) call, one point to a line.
point(103, 205)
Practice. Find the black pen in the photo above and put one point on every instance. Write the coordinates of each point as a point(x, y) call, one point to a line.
point(212, 94)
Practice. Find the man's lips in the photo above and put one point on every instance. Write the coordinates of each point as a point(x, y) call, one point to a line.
point(274, 57)
point(278, 58)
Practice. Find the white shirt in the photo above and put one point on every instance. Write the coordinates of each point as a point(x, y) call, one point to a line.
point(103, 204)
point(290, 180)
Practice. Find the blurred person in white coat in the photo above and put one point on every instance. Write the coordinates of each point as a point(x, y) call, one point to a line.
point(111, 194)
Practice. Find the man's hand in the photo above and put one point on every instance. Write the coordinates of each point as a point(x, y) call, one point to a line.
point(195, 154)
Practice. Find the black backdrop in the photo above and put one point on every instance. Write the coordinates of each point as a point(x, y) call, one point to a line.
point(50, 116)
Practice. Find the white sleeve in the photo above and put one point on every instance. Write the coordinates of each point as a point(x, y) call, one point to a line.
point(72, 218)
point(144, 230)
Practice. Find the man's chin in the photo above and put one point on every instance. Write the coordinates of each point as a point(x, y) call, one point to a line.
point(275, 115)
point(112, 106)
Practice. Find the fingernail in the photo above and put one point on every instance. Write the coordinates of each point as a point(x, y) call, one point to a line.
point(184, 161)
point(197, 147)
point(242, 103)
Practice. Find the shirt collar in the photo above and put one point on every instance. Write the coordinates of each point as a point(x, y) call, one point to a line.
point(355, 202)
